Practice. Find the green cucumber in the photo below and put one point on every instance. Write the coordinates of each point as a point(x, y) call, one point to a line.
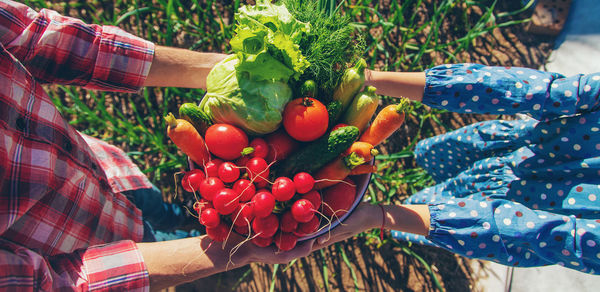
point(316, 154)
point(193, 114)
point(334, 109)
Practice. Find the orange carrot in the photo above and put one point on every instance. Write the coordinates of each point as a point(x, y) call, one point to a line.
point(387, 121)
point(364, 150)
point(189, 141)
point(336, 170)
point(332, 173)
point(363, 168)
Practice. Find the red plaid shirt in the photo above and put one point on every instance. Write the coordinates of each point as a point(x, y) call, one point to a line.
point(64, 224)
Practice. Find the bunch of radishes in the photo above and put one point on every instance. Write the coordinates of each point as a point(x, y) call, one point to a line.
point(235, 193)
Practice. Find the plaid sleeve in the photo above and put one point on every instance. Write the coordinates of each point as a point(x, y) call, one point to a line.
point(59, 49)
point(113, 267)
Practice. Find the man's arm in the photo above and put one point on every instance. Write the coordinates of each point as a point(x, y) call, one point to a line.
point(174, 262)
point(175, 67)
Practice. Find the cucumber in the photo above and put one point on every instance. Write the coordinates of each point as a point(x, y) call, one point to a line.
point(362, 109)
point(193, 114)
point(334, 109)
point(316, 154)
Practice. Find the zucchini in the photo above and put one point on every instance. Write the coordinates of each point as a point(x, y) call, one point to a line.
point(193, 114)
point(352, 81)
point(362, 109)
point(316, 154)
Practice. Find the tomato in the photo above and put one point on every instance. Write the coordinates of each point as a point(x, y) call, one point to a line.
point(305, 119)
point(225, 141)
point(281, 145)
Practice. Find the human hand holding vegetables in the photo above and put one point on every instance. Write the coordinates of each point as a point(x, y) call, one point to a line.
point(175, 262)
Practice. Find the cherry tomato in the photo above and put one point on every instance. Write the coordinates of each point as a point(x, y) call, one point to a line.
point(305, 119)
point(225, 141)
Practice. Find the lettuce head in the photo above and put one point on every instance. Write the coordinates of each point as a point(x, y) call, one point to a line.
point(253, 105)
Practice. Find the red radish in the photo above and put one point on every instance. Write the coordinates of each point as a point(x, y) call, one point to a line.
point(210, 218)
point(212, 167)
point(228, 172)
point(308, 227)
point(314, 197)
point(303, 210)
point(304, 182)
point(226, 201)
point(242, 229)
point(305, 119)
point(218, 233)
point(265, 227)
point(245, 188)
point(280, 145)
point(243, 214)
point(287, 222)
point(209, 187)
point(242, 161)
point(225, 141)
point(283, 189)
point(338, 198)
point(285, 241)
point(202, 204)
point(259, 147)
point(264, 202)
point(192, 179)
point(262, 241)
point(258, 170)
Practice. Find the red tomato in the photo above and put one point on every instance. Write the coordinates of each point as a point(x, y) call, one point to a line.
point(305, 119)
point(225, 141)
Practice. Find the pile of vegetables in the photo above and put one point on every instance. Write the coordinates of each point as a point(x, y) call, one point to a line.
point(281, 131)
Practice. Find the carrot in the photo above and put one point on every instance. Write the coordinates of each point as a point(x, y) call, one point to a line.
point(386, 122)
point(336, 170)
point(363, 168)
point(189, 141)
point(364, 150)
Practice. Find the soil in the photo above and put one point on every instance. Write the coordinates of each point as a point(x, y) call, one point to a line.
point(394, 265)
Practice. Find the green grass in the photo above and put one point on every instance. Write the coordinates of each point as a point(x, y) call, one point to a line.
point(402, 35)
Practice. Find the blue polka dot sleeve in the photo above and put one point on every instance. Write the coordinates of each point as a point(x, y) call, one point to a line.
point(512, 234)
point(475, 88)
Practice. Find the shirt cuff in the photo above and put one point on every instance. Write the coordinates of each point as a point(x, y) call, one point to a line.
point(117, 266)
point(123, 61)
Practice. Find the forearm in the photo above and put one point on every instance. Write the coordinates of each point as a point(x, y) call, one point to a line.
point(408, 218)
point(397, 84)
point(174, 262)
point(174, 67)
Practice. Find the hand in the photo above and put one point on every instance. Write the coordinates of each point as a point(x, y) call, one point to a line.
point(366, 216)
point(251, 253)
